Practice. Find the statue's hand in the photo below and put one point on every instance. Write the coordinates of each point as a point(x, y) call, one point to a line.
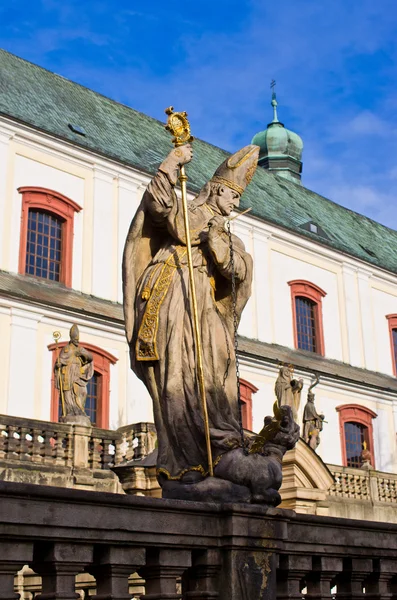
point(216, 226)
point(182, 155)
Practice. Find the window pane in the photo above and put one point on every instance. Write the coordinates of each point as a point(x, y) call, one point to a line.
point(39, 260)
point(306, 324)
point(355, 435)
point(91, 404)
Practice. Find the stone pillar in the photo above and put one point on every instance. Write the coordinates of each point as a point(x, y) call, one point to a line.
point(111, 568)
point(248, 574)
point(83, 477)
point(324, 572)
point(350, 581)
point(201, 581)
point(162, 569)
point(58, 564)
point(291, 570)
point(13, 556)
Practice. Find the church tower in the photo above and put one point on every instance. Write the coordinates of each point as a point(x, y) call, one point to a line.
point(280, 148)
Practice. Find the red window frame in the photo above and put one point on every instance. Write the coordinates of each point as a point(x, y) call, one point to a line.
point(392, 322)
point(354, 413)
point(102, 362)
point(306, 289)
point(246, 391)
point(60, 206)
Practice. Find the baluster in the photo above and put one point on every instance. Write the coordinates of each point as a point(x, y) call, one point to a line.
point(111, 568)
point(3, 442)
point(201, 580)
point(121, 449)
point(59, 448)
point(14, 442)
point(49, 447)
point(96, 449)
point(58, 564)
point(107, 458)
point(323, 573)
point(377, 585)
point(13, 556)
point(68, 447)
point(37, 446)
point(161, 571)
point(350, 581)
point(291, 570)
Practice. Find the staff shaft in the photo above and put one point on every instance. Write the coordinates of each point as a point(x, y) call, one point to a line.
point(196, 328)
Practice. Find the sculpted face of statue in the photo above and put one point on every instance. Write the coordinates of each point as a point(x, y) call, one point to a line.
point(74, 335)
point(224, 199)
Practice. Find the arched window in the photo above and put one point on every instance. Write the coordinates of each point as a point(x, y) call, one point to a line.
point(98, 388)
point(355, 426)
point(307, 315)
point(46, 242)
point(246, 391)
point(392, 320)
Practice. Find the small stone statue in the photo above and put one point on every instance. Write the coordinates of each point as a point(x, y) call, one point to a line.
point(74, 367)
point(366, 457)
point(287, 389)
point(312, 421)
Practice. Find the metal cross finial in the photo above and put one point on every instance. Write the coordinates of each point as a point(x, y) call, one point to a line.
point(274, 101)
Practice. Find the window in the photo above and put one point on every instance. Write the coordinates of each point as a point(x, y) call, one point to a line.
point(46, 242)
point(355, 425)
point(392, 320)
point(98, 388)
point(246, 391)
point(307, 316)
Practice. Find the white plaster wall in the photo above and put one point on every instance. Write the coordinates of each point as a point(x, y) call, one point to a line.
point(287, 268)
point(103, 237)
point(384, 302)
point(4, 168)
point(129, 197)
point(23, 360)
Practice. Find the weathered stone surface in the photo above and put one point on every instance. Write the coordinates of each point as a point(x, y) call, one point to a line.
point(228, 551)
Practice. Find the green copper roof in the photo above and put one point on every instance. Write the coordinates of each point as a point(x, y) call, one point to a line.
point(48, 102)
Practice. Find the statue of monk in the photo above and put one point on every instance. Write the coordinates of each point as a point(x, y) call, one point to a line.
point(73, 369)
point(287, 389)
point(159, 330)
point(312, 423)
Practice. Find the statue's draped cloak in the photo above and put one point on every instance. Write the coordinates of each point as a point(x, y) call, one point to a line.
point(75, 367)
point(155, 240)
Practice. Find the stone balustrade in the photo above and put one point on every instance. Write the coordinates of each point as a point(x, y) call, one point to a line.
point(186, 550)
point(366, 494)
point(69, 455)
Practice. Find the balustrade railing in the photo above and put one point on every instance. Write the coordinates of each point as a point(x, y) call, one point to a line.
point(28, 440)
point(184, 551)
point(364, 484)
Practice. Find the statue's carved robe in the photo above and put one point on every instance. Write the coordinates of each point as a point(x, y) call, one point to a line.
point(159, 325)
point(75, 368)
point(311, 420)
point(288, 390)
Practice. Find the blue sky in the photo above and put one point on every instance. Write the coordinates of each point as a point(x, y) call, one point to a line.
point(334, 62)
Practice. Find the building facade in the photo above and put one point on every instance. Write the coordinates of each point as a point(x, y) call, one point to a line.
point(73, 168)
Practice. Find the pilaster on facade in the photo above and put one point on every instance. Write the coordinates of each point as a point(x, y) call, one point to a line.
point(262, 289)
point(367, 321)
point(353, 317)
